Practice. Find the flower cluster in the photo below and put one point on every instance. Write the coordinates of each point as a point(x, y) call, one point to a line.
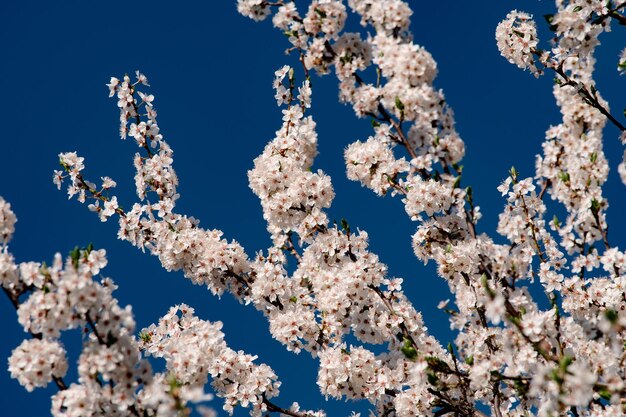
point(194, 349)
point(36, 361)
point(291, 194)
point(373, 163)
point(7, 221)
point(516, 37)
point(113, 379)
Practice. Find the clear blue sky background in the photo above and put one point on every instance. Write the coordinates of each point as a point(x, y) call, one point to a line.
point(211, 72)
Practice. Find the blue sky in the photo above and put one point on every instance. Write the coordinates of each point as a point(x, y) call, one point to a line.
point(211, 72)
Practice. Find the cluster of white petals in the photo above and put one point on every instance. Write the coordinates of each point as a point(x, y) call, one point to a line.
point(516, 37)
point(373, 164)
point(292, 196)
point(7, 221)
point(195, 348)
point(36, 361)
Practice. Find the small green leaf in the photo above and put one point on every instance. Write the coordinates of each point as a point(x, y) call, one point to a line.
point(408, 350)
point(604, 393)
point(345, 226)
point(565, 362)
point(432, 378)
point(399, 104)
point(611, 315)
point(595, 206)
point(436, 364)
point(75, 256)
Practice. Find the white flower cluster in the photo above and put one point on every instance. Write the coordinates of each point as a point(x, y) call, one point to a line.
point(516, 37)
point(254, 9)
point(338, 287)
point(353, 374)
point(194, 348)
point(575, 27)
point(326, 17)
point(7, 221)
point(113, 379)
point(386, 17)
point(426, 196)
point(291, 194)
point(36, 361)
point(373, 163)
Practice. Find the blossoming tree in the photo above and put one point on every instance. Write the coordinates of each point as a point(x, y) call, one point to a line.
point(539, 320)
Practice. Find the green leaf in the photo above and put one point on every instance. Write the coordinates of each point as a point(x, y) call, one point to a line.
point(75, 256)
point(399, 104)
point(345, 226)
point(437, 365)
point(577, 9)
point(145, 336)
point(604, 393)
point(611, 315)
point(595, 206)
point(594, 157)
point(408, 350)
point(565, 362)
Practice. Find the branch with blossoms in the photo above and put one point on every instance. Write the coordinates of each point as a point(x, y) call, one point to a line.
point(113, 378)
point(510, 355)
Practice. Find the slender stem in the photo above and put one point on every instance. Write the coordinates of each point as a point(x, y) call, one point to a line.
point(611, 13)
point(273, 408)
point(587, 96)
